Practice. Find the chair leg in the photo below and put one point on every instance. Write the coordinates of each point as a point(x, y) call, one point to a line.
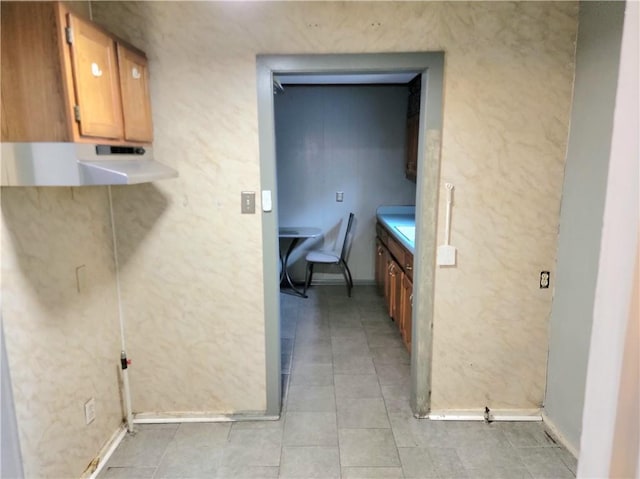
point(307, 277)
point(347, 277)
point(346, 268)
point(349, 273)
point(281, 269)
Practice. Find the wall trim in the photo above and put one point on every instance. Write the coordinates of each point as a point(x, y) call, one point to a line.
point(431, 66)
point(555, 432)
point(105, 453)
point(196, 416)
point(530, 415)
point(340, 282)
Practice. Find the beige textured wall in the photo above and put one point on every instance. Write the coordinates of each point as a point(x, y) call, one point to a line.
point(63, 344)
point(191, 264)
point(507, 106)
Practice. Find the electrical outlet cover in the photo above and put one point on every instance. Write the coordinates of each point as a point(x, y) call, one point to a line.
point(90, 411)
point(545, 278)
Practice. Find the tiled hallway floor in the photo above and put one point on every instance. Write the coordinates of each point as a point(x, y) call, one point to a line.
point(345, 414)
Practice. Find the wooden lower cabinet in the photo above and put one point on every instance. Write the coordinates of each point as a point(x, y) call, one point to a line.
point(395, 291)
point(406, 306)
point(381, 266)
point(394, 280)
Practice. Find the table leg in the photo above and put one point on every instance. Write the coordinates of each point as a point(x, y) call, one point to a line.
point(285, 269)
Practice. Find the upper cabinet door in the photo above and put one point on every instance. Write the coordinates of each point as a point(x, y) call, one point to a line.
point(136, 105)
point(95, 74)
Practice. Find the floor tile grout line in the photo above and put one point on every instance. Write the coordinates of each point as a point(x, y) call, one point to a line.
point(283, 412)
point(386, 407)
point(394, 407)
point(384, 402)
point(164, 453)
point(533, 474)
point(335, 399)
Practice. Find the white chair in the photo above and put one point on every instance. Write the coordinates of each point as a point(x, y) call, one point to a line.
point(331, 257)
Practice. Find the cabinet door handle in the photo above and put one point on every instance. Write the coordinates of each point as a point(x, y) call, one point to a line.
point(411, 299)
point(408, 267)
point(95, 70)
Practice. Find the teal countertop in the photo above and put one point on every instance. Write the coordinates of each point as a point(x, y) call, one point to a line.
point(401, 223)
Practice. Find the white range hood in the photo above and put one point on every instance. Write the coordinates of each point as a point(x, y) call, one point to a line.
point(79, 164)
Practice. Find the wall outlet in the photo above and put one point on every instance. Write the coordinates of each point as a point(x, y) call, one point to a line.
point(90, 411)
point(545, 279)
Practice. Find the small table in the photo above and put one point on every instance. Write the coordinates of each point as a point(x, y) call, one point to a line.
point(295, 234)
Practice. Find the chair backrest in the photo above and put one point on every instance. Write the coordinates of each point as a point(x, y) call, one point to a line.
point(345, 244)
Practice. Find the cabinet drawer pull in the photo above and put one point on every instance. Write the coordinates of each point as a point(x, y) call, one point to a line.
point(135, 73)
point(408, 267)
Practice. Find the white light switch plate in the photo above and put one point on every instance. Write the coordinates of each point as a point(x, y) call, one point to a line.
point(266, 200)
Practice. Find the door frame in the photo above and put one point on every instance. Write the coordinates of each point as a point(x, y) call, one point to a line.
point(431, 65)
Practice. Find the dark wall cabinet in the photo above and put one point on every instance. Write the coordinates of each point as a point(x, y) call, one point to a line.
point(413, 129)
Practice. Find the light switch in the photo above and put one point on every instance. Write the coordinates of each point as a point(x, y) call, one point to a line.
point(266, 200)
point(248, 199)
point(339, 196)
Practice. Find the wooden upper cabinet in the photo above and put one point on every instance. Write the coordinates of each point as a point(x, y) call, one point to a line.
point(66, 79)
point(95, 75)
point(136, 105)
point(34, 92)
point(413, 128)
point(411, 161)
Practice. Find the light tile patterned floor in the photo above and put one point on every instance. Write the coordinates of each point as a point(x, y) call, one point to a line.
point(345, 415)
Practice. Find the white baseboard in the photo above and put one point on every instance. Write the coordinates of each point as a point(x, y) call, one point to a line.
point(559, 436)
point(178, 417)
point(105, 453)
point(340, 282)
point(479, 415)
point(162, 418)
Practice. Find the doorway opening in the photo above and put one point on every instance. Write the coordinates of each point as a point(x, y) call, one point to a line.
point(317, 68)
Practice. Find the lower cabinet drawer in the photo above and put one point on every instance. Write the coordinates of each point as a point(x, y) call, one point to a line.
point(396, 250)
point(382, 233)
